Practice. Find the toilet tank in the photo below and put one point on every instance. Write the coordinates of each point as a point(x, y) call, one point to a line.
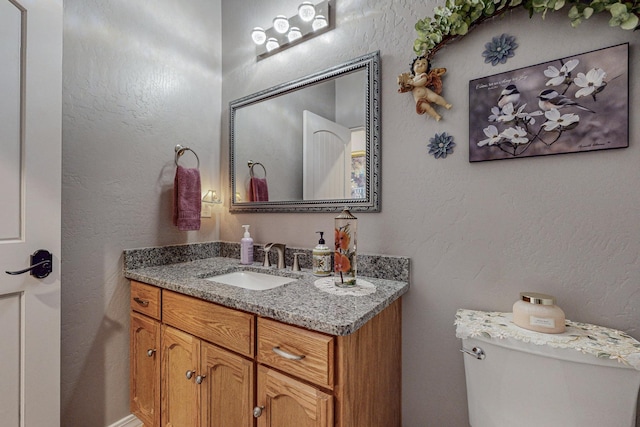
point(526, 384)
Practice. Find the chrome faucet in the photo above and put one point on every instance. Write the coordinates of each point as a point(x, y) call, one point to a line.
point(280, 248)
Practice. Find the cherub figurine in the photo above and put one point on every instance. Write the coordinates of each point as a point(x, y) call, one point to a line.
point(426, 86)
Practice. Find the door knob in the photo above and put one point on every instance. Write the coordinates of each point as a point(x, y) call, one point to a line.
point(41, 265)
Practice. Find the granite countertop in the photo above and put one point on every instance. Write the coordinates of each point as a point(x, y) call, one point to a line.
point(298, 303)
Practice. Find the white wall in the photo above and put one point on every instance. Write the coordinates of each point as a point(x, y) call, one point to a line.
point(139, 78)
point(477, 234)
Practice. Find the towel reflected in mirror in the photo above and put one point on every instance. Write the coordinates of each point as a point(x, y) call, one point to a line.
point(258, 190)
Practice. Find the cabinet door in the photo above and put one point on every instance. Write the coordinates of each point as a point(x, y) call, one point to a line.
point(180, 393)
point(227, 388)
point(144, 365)
point(286, 402)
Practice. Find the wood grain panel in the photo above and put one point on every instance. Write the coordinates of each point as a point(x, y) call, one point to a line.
point(369, 372)
point(144, 378)
point(180, 395)
point(223, 326)
point(145, 299)
point(288, 402)
point(227, 394)
point(317, 349)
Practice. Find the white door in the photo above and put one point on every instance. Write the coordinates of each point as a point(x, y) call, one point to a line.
point(326, 158)
point(30, 176)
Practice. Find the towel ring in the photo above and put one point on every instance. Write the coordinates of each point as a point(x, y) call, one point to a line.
point(251, 164)
point(179, 149)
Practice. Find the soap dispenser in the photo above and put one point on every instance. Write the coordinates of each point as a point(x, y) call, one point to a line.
point(246, 247)
point(322, 257)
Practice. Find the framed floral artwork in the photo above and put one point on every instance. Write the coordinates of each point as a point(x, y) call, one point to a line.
point(573, 104)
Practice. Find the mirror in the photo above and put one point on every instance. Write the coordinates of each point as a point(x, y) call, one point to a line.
point(309, 145)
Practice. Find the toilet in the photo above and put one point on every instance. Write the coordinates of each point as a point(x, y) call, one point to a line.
point(517, 377)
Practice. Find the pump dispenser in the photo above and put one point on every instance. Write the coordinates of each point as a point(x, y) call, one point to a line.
point(321, 257)
point(246, 247)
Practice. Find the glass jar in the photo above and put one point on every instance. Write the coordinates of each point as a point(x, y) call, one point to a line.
point(538, 312)
point(345, 265)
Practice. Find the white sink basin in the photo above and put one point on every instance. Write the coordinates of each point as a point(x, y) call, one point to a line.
point(252, 280)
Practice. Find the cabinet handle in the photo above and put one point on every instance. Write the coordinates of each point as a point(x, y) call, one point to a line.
point(287, 355)
point(189, 374)
point(150, 352)
point(141, 302)
point(257, 411)
point(200, 378)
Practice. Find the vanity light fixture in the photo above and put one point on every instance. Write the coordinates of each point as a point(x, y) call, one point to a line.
point(281, 24)
point(319, 22)
point(272, 44)
point(294, 34)
point(258, 35)
point(211, 197)
point(209, 202)
point(310, 21)
point(306, 11)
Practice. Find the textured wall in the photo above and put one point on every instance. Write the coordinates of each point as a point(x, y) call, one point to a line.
point(139, 78)
point(477, 234)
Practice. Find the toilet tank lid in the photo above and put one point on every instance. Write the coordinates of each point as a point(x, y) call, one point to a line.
point(601, 342)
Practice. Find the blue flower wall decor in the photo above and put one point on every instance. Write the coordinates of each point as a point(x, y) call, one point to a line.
point(499, 49)
point(441, 145)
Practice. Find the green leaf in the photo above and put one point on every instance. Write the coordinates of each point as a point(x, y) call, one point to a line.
point(573, 13)
point(587, 12)
point(630, 23)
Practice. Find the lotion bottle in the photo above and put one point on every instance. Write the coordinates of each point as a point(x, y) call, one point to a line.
point(246, 247)
point(322, 257)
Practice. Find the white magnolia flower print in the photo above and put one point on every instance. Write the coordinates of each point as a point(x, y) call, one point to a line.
point(493, 136)
point(557, 77)
point(516, 135)
point(495, 113)
point(507, 114)
point(555, 121)
point(528, 118)
point(591, 82)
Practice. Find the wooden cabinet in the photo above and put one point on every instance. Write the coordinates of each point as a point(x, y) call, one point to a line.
point(220, 367)
point(202, 384)
point(284, 401)
point(144, 365)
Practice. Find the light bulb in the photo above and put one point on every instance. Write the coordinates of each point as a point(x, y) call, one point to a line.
point(319, 22)
point(281, 24)
point(258, 35)
point(294, 34)
point(272, 43)
point(306, 11)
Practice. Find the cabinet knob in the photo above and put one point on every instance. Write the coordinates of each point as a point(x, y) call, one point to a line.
point(190, 374)
point(200, 378)
point(257, 411)
point(150, 352)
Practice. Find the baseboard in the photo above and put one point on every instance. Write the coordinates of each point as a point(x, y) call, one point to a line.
point(130, 421)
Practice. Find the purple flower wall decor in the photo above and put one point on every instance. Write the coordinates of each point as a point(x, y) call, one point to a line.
point(441, 145)
point(499, 49)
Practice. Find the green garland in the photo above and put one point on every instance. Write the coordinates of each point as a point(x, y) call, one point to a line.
point(458, 17)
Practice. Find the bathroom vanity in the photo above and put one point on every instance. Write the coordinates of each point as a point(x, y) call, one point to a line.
point(209, 354)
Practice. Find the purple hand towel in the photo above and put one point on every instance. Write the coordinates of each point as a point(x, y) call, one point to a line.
point(258, 190)
point(186, 199)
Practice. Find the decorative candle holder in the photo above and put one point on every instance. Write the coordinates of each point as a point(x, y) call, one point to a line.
point(345, 263)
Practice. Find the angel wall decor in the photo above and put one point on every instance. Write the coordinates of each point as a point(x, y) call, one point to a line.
point(426, 86)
